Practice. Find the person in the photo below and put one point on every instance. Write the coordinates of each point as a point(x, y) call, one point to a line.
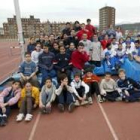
point(96, 52)
point(90, 28)
point(118, 34)
point(79, 58)
point(64, 94)
point(27, 70)
point(81, 90)
point(46, 64)
point(105, 41)
point(87, 43)
point(54, 49)
point(109, 54)
point(31, 45)
point(108, 88)
point(136, 53)
point(92, 81)
point(130, 88)
point(83, 31)
point(47, 96)
point(62, 63)
point(67, 29)
point(76, 26)
point(71, 49)
point(35, 54)
point(110, 31)
point(8, 100)
point(29, 100)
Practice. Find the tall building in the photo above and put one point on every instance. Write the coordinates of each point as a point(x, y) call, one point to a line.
point(30, 26)
point(106, 17)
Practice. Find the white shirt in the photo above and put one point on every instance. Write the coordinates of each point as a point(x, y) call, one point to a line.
point(35, 55)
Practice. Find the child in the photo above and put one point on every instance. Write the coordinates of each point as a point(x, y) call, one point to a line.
point(80, 90)
point(64, 93)
point(79, 58)
point(28, 70)
point(8, 99)
point(119, 57)
point(63, 64)
point(92, 81)
point(129, 87)
point(47, 96)
point(29, 100)
point(109, 88)
point(35, 54)
point(71, 49)
point(109, 54)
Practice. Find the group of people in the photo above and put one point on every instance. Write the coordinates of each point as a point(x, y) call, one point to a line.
point(66, 64)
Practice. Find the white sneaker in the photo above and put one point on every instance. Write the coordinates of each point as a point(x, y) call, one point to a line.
point(77, 103)
point(90, 101)
point(99, 98)
point(84, 102)
point(20, 117)
point(28, 117)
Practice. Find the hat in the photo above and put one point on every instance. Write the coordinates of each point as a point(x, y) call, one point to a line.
point(107, 54)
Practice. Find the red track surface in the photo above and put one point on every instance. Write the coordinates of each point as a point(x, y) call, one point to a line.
point(106, 121)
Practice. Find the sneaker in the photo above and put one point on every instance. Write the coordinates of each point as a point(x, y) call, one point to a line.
point(61, 107)
point(43, 110)
point(71, 107)
point(119, 99)
point(3, 120)
point(48, 110)
point(84, 103)
point(20, 117)
point(77, 103)
point(99, 98)
point(90, 101)
point(28, 117)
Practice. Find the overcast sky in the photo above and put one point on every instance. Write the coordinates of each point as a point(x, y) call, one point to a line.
point(71, 10)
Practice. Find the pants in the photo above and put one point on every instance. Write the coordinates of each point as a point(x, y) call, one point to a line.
point(96, 63)
point(134, 96)
point(65, 97)
point(33, 81)
point(8, 108)
point(46, 74)
point(93, 88)
point(81, 92)
point(26, 105)
point(111, 96)
point(44, 98)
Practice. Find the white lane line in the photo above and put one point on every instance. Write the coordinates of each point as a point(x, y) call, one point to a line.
point(31, 137)
point(108, 123)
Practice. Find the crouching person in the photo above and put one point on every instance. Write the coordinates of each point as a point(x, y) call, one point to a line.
point(65, 94)
point(109, 90)
point(130, 88)
point(47, 96)
point(8, 99)
point(80, 90)
point(29, 100)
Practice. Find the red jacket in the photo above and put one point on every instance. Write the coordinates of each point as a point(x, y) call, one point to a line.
point(104, 43)
point(79, 59)
point(81, 32)
point(91, 29)
point(91, 79)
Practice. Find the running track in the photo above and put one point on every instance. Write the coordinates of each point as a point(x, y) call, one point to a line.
point(106, 121)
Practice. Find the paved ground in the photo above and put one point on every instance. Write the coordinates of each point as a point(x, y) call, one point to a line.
point(106, 121)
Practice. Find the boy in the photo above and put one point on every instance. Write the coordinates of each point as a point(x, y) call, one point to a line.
point(109, 88)
point(109, 54)
point(8, 99)
point(64, 93)
point(92, 81)
point(80, 90)
point(79, 58)
point(28, 70)
point(47, 96)
point(129, 87)
point(46, 61)
point(29, 100)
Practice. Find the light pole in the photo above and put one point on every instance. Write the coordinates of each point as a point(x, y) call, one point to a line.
point(19, 25)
